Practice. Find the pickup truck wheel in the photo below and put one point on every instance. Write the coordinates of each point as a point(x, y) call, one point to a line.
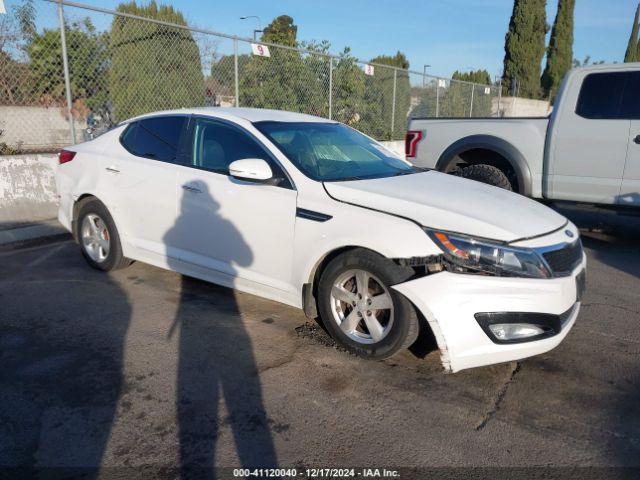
point(486, 174)
point(359, 308)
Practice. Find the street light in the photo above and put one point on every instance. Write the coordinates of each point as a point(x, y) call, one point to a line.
point(424, 75)
point(259, 23)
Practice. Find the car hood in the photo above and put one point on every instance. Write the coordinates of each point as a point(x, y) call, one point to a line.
point(447, 202)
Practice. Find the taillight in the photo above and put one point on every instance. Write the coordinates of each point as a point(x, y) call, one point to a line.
point(411, 140)
point(65, 156)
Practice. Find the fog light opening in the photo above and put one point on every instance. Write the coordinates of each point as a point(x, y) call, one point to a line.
point(515, 331)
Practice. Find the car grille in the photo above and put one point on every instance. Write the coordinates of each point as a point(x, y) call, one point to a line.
point(565, 259)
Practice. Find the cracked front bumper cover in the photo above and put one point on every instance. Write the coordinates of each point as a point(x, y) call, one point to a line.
point(449, 302)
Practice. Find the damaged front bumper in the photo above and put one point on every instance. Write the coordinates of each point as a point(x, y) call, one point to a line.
point(450, 302)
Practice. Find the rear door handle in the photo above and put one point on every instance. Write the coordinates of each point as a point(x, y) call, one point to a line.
point(191, 188)
point(112, 170)
point(637, 139)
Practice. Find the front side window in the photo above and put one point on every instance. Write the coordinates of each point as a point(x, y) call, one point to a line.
point(157, 137)
point(216, 145)
point(333, 152)
point(601, 95)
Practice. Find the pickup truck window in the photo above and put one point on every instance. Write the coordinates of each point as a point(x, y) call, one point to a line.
point(601, 95)
point(631, 100)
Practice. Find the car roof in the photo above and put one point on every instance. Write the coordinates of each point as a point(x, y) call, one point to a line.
point(249, 114)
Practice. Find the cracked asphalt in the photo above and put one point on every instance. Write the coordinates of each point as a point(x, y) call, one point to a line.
point(144, 367)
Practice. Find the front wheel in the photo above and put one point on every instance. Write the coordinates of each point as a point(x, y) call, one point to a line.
point(359, 308)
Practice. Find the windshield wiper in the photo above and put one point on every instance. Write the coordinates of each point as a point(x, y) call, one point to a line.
point(344, 179)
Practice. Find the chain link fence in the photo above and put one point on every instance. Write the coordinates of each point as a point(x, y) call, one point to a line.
point(99, 67)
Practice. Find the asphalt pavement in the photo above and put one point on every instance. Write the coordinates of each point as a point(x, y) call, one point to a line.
point(144, 370)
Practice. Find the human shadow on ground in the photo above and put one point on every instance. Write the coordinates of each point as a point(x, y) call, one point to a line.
point(216, 360)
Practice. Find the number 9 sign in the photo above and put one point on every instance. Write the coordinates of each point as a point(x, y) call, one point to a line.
point(260, 50)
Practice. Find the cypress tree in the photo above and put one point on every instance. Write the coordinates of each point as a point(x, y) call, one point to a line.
point(153, 67)
point(633, 47)
point(525, 46)
point(560, 52)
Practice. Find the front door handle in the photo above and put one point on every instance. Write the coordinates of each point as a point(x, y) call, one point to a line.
point(637, 139)
point(191, 188)
point(112, 170)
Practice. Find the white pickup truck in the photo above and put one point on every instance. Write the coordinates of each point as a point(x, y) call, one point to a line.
point(587, 150)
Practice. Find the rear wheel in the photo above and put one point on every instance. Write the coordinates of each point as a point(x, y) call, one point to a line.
point(486, 174)
point(360, 309)
point(98, 237)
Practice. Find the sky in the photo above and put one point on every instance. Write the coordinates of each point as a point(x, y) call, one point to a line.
point(448, 35)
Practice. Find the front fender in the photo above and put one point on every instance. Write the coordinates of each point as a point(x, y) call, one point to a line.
point(356, 227)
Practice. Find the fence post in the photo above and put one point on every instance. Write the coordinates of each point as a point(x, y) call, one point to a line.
point(330, 88)
point(437, 97)
point(65, 67)
point(393, 104)
point(473, 86)
point(235, 71)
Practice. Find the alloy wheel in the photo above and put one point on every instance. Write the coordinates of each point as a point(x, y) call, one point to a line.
point(362, 306)
point(96, 240)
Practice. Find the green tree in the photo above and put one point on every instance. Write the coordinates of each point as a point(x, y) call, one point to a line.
point(455, 99)
point(222, 79)
point(286, 80)
point(16, 28)
point(633, 47)
point(153, 66)
point(378, 98)
point(87, 54)
point(560, 51)
point(524, 47)
point(348, 90)
point(462, 93)
point(282, 31)
point(475, 76)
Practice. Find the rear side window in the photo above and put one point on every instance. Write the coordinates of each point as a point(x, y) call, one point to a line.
point(157, 138)
point(601, 95)
point(631, 99)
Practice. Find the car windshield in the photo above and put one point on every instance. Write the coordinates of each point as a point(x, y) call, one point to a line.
point(331, 152)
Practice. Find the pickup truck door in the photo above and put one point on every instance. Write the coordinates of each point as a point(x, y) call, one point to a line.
point(590, 140)
point(630, 189)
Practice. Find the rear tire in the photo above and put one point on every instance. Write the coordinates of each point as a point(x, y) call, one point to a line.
point(486, 174)
point(351, 287)
point(98, 237)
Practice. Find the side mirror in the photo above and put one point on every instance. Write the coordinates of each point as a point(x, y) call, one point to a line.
point(251, 169)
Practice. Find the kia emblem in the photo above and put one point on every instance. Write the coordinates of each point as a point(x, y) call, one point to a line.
point(569, 233)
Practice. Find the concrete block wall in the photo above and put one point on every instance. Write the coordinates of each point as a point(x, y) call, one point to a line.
point(27, 188)
point(523, 107)
point(37, 128)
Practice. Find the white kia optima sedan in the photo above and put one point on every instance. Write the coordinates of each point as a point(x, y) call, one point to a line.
point(311, 213)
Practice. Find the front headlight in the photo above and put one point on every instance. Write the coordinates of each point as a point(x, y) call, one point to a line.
point(467, 254)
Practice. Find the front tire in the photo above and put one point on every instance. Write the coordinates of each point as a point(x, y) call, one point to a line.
point(359, 308)
point(98, 237)
point(486, 174)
